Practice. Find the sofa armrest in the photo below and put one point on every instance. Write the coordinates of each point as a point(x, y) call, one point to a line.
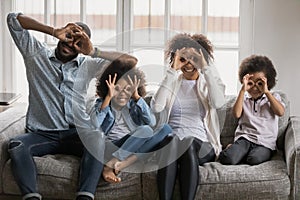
point(292, 155)
point(12, 123)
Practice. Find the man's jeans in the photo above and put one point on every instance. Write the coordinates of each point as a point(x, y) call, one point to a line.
point(24, 147)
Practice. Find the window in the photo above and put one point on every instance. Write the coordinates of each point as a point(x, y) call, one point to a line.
point(101, 18)
point(155, 22)
point(223, 30)
point(142, 27)
point(188, 20)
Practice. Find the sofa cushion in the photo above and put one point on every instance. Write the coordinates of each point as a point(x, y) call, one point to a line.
point(58, 177)
point(12, 123)
point(227, 122)
point(268, 180)
point(283, 121)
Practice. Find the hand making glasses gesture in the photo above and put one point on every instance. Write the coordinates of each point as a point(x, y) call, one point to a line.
point(191, 56)
point(130, 89)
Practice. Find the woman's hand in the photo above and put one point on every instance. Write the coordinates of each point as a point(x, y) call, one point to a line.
point(189, 55)
point(180, 59)
point(197, 59)
point(194, 57)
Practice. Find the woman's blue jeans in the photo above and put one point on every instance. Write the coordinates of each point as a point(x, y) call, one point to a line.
point(24, 147)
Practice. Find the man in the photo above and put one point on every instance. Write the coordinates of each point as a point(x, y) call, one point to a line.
point(54, 110)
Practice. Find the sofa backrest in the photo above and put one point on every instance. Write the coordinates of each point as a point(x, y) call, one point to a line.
point(228, 123)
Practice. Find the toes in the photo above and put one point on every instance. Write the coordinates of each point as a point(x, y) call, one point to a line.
point(111, 179)
point(110, 176)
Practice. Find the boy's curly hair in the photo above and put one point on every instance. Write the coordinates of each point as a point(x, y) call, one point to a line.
point(123, 68)
point(257, 63)
point(185, 40)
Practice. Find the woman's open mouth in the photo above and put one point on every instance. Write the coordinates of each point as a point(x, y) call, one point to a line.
point(189, 69)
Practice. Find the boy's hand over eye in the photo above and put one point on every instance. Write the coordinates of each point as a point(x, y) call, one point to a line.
point(262, 85)
point(247, 82)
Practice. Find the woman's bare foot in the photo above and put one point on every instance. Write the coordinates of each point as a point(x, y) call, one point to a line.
point(120, 165)
point(109, 175)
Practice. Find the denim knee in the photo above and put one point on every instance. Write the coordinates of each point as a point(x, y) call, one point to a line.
point(166, 128)
point(14, 144)
point(145, 131)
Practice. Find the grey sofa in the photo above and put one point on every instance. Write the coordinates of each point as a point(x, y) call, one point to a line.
point(278, 178)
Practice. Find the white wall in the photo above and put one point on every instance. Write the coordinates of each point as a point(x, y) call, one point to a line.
point(276, 29)
point(1, 45)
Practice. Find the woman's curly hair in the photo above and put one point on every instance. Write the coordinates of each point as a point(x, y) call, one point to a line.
point(256, 63)
point(185, 40)
point(123, 68)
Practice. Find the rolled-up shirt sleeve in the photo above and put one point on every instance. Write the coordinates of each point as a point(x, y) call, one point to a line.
point(27, 44)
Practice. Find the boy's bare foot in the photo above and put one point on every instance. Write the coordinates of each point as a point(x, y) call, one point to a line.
point(109, 175)
point(120, 165)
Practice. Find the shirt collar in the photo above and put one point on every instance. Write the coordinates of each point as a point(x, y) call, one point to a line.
point(249, 97)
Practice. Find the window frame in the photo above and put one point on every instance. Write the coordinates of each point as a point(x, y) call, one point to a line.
point(124, 19)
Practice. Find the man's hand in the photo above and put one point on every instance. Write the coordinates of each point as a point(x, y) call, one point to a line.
point(67, 33)
point(82, 43)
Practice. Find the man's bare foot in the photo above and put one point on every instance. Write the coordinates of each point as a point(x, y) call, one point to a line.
point(109, 175)
point(120, 165)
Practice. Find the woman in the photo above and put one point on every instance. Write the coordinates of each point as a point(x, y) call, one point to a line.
point(188, 96)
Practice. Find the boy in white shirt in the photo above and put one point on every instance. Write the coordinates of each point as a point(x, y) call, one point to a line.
point(258, 111)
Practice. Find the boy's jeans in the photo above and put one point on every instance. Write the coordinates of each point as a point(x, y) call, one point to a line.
point(24, 147)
